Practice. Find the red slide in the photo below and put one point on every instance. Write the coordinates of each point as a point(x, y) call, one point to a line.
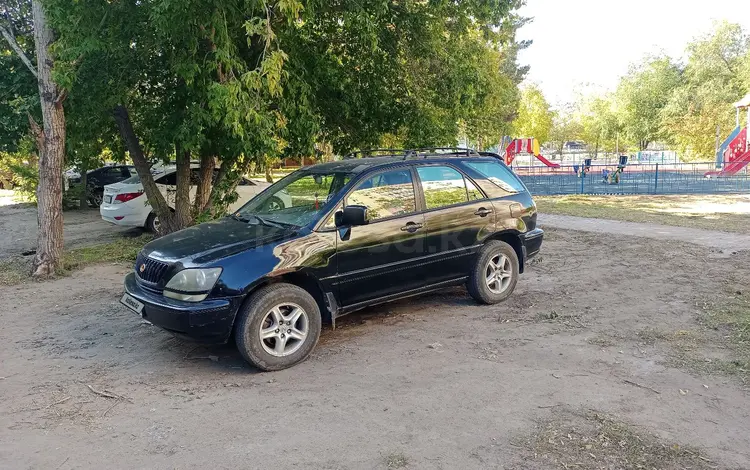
point(547, 162)
point(735, 165)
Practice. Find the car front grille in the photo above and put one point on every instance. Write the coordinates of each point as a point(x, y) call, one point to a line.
point(150, 270)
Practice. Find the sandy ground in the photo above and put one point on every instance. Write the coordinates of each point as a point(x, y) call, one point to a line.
point(18, 228)
point(726, 242)
point(435, 382)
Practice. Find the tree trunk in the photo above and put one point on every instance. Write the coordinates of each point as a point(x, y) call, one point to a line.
point(143, 168)
point(267, 162)
point(203, 191)
point(51, 144)
point(182, 210)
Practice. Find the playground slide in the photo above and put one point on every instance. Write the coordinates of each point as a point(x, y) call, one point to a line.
point(547, 162)
point(725, 145)
point(735, 165)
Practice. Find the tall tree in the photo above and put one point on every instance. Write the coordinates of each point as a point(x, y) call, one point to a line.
point(642, 95)
point(715, 77)
point(534, 115)
point(50, 137)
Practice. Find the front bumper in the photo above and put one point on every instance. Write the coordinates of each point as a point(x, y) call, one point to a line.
point(209, 321)
point(532, 243)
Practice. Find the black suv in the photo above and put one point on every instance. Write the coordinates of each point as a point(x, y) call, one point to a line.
point(357, 232)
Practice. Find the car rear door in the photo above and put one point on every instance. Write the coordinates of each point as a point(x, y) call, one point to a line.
point(382, 258)
point(458, 217)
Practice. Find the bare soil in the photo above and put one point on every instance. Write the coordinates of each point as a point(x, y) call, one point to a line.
point(18, 228)
point(435, 382)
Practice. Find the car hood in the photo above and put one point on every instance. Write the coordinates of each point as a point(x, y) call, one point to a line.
point(211, 241)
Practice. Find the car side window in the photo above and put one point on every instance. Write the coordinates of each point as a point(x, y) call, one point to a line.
point(169, 180)
point(445, 186)
point(387, 194)
point(498, 174)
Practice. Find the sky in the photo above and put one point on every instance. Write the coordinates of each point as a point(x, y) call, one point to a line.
point(583, 46)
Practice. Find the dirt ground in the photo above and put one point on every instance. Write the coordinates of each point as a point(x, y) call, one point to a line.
point(82, 227)
point(576, 370)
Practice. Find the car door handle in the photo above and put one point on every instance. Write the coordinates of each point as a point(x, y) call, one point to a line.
point(482, 212)
point(411, 227)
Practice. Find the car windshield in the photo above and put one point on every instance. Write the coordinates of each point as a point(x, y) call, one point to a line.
point(297, 199)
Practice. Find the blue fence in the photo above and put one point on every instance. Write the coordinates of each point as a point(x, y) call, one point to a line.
point(679, 178)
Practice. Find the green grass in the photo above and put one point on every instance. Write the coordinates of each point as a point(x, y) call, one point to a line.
point(730, 320)
point(120, 250)
point(729, 213)
point(17, 270)
point(592, 440)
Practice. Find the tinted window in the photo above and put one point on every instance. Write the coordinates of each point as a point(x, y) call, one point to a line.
point(444, 186)
point(498, 174)
point(169, 180)
point(387, 194)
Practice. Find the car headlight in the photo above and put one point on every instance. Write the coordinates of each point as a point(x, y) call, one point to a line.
point(192, 285)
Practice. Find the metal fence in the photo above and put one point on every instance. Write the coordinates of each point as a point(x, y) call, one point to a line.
point(677, 178)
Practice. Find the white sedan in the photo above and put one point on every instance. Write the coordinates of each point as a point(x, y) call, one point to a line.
point(125, 203)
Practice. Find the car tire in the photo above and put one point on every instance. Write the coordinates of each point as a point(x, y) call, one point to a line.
point(273, 204)
point(262, 314)
point(96, 198)
point(495, 273)
point(152, 223)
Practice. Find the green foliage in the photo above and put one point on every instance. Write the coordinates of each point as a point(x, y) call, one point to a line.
point(642, 95)
point(716, 75)
point(674, 104)
point(534, 115)
point(18, 87)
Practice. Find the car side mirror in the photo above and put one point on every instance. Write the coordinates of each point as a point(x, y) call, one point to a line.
point(351, 216)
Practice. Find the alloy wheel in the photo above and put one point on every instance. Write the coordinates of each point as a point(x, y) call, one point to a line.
point(499, 273)
point(284, 329)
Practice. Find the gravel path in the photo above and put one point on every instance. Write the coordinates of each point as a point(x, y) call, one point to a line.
point(724, 241)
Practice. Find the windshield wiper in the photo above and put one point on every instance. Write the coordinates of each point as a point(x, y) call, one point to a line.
point(267, 222)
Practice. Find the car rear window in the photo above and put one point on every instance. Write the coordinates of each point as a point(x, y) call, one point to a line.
point(499, 174)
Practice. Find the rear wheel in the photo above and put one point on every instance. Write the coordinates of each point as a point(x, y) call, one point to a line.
point(278, 327)
point(495, 273)
point(152, 223)
point(96, 198)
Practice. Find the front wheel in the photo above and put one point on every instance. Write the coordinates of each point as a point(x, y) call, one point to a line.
point(278, 327)
point(495, 273)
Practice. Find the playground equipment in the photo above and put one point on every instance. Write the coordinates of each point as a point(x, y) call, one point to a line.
point(583, 170)
point(526, 146)
point(734, 153)
point(613, 177)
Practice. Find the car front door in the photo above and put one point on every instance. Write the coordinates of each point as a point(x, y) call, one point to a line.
point(382, 258)
point(458, 217)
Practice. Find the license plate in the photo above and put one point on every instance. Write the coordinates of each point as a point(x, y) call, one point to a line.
point(128, 301)
point(108, 198)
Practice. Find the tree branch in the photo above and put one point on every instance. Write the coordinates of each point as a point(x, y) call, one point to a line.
point(8, 35)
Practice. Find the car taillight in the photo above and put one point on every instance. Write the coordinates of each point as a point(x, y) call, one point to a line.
point(125, 197)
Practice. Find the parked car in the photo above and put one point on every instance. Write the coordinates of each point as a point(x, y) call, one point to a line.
point(97, 179)
point(358, 232)
point(125, 203)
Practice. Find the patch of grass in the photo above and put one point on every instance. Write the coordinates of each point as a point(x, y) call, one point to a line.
point(396, 460)
point(592, 440)
point(120, 250)
point(729, 318)
point(18, 270)
point(13, 271)
point(727, 213)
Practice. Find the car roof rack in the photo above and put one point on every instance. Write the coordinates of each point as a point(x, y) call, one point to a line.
point(366, 153)
point(422, 152)
point(426, 152)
